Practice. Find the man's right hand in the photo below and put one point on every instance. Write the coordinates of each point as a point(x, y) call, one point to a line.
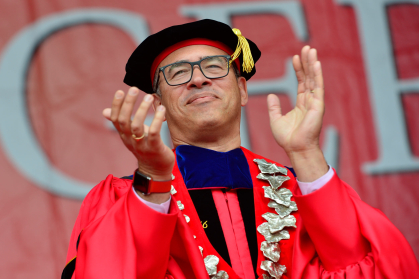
point(154, 157)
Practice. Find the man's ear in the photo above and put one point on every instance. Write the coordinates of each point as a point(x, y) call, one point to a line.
point(242, 83)
point(157, 102)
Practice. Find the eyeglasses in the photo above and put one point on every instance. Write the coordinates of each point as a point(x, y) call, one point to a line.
point(211, 67)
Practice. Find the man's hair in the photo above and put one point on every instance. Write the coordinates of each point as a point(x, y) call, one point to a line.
point(156, 80)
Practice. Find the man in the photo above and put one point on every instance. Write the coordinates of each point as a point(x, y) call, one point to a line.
point(211, 208)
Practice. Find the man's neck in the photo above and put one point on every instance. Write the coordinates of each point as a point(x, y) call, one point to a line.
point(220, 145)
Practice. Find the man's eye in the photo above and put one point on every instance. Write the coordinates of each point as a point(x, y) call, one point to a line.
point(214, 66)
point(179, 73)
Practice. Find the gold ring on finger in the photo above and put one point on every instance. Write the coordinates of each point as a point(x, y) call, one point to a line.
point(312, 91)
point(134, 136)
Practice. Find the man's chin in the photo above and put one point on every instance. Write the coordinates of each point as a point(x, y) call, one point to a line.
point(208, 121)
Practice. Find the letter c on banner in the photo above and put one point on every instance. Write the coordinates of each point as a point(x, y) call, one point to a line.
point(17, 136)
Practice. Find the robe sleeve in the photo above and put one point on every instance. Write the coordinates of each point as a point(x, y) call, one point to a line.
point(162, 207)
point(340, 236)
point(121, 237)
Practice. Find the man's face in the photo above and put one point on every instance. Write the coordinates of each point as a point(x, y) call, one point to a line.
point(202, 105)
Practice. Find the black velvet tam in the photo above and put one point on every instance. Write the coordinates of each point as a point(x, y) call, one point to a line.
point(139, 64)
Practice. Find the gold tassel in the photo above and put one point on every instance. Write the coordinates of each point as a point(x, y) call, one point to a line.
point(243, 45)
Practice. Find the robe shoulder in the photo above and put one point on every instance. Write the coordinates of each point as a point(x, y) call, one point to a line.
point(118, 236)
point(340, 236)
point(103, 196)
point(96, 203)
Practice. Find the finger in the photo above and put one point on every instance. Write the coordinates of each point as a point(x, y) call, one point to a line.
point(116, 107)
point(154, 130)
point(318, 78)
point(304, 60)
point(137, 125)
point(299, 73)
point(107, 113)
point(274, 107)
point(124, 118)
point(312, 58)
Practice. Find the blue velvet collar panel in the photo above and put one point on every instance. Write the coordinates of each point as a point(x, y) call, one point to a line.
point(204, 168)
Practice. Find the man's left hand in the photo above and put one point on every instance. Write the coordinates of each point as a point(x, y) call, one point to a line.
point(298, 131)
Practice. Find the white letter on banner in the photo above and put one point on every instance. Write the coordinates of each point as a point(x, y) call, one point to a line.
point(293, 12)
point(17, 135)
point(385, 87)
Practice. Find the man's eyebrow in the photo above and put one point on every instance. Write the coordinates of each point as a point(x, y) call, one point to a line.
point(179, 61)
point(184, 60)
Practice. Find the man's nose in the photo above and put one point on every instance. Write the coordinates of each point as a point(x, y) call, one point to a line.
point(198, 79)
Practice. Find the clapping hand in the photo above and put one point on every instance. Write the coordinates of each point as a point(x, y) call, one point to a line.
point(298, 131)
point(154, 157)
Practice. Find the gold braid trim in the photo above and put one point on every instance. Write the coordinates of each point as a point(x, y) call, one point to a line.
point(243, 45)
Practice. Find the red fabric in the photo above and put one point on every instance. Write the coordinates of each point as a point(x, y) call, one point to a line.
point(228, 231)
point(112, 211)
point(240, 233)
point(190, 42)
point(340, 236)
point(231, 220)
point(337, 236)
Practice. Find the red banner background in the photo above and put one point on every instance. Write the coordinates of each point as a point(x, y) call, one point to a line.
point(75, 72)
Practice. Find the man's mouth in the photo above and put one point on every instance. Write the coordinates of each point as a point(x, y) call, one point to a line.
point(201, 98)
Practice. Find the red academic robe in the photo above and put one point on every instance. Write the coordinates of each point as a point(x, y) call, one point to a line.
point(337, 235)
